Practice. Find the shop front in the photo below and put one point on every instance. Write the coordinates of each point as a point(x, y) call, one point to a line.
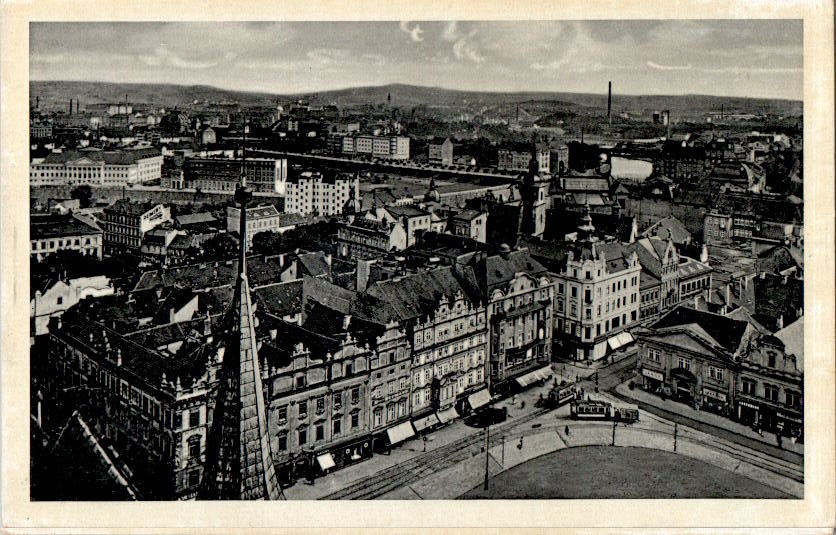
point(715, 401)
point(652, 380)
point(684, 385)
point(748, 413)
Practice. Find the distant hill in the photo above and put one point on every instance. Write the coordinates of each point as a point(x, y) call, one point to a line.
point(56, 94)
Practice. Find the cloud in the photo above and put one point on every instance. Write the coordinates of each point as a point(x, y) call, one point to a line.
point(465, 48)
point(451, 31)
point(550, 66)
point(413, 32)
point(163, 56)
point(669, 67)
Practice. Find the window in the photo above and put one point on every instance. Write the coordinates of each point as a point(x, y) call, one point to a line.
point(378, 416)
point(683, 363)
point(355, 395)
point(300, 381)
point(715, 373)
point(770, 392)
point(320, 405)
point(574, 291)
point(793, 399)
point(282, 414)
point(303, 409)
point(771, 359)
point(390, 413)
point(194, 447)
point(194, 418)
point(355, 420)
point(283, 442)
point(338, 400)
point(303, 436)
point(320, 432)
point(653, 355)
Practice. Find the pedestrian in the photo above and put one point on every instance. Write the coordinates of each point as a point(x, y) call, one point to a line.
point(520, 445)
point(779, 439)
point(567, 430)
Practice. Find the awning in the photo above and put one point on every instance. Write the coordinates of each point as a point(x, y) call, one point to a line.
point(620, 340)
point(479, 399)
point(534, 376)
point(447, 415)
point(400, 432)
point(325, 461)
point(425, 422)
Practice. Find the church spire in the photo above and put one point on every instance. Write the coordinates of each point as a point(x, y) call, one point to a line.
point(239, 461)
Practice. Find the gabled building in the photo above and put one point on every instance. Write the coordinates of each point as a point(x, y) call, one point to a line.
point(692, 356)
point(520, 300)
point(770, 392)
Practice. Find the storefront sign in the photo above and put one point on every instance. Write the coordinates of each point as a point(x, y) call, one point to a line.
point(653, 375)
point(716, 395)
point(749, 405)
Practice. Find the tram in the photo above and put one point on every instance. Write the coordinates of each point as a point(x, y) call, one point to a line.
point(594, 409)
point(559, 396)
point(590, 410)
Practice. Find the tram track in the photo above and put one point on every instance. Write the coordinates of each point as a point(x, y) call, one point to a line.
point(418, 467)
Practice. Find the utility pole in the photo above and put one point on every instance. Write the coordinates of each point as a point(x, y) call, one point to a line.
point(614, 423)
point(487, 452)
point(503, 450)
point(675, 429)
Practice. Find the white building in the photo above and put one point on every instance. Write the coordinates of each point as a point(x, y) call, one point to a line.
point(391, 147)
point(61, 295)
point(97, 168)
point(312, 193)
point(263, 218)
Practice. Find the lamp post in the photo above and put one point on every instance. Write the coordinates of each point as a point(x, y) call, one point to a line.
point(487, 451)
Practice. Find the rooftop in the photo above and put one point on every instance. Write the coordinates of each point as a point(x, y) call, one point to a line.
point(57, 226)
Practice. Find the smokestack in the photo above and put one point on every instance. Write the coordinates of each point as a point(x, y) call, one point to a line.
point(71, 106)
point(38, 103)
point(77, 108)
point(518, 113)
point(609, 104)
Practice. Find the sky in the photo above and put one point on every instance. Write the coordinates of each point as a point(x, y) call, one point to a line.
point(746, 58)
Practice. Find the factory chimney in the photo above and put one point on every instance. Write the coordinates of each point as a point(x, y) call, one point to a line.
point(77, 108)
point(37, 103)
point(71, 106)
point(609, 104)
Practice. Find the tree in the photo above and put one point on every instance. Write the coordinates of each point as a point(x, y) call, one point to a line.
point(84, 194)
point(220, 247)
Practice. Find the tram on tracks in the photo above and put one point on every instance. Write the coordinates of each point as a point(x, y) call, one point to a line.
point(594, 409)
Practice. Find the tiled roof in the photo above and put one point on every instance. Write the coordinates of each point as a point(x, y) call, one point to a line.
point(281, 299)
point(669, 227)
point(57, 226)
point(725, 331)
point(499, 269)
point(417, 295)
point(315, 264)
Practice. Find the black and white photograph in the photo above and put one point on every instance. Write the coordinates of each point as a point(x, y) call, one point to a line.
point(419, 259)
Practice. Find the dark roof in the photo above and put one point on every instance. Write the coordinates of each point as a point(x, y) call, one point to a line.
point(499, 269)
point(417, 295)
point(120, 157)
point(315, 264)
point(281, 299)
point(57, 226)
point(726, 331)
point(669, 227)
